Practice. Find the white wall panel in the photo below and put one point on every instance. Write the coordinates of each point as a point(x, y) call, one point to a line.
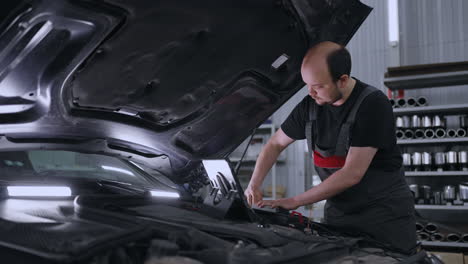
point(435, 31)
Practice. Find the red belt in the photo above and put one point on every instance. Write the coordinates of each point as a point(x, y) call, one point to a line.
point(328, 162)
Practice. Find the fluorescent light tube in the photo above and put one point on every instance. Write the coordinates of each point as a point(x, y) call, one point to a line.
point(393, 26)
point(39, 191)
point(165, 194)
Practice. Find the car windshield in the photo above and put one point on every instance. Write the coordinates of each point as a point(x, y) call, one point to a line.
point(40, 165)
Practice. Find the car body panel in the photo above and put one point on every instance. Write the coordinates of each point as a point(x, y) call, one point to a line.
point(168, 79)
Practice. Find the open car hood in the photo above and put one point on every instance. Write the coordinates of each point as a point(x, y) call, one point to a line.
point(164, 83)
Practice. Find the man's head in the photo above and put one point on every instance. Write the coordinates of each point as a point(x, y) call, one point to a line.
point(326, 71)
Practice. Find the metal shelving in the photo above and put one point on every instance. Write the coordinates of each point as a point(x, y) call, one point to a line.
point(435, 173)
point(431, 141)
point(454, 109)
point(444, 244)
point(428, 76)
point(427, 80)
point(441, 207)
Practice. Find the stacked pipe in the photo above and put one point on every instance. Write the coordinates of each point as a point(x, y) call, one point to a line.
point(425, 194)
point(438, 161)
point(426, 126)
point(422, 193)
point(419, 127)
point(433, 231)
point(408, 102)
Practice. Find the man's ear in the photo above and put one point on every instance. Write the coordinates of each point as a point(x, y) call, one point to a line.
point(343, 80)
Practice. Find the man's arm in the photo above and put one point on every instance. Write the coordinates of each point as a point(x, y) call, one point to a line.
point(356, 165)
point(268, 156)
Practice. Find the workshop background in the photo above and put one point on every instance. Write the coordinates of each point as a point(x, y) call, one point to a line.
point(402, 33)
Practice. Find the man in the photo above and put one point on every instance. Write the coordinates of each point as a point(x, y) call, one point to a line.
point(349, 127)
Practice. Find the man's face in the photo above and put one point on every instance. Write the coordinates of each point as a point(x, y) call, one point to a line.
point(320, 85)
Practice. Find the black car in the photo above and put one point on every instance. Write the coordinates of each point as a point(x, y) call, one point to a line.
point(116, 117)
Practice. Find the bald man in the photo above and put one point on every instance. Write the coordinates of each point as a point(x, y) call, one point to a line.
point(349, 126)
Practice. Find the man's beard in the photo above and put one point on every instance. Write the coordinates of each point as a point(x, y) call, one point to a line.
point(338, 96)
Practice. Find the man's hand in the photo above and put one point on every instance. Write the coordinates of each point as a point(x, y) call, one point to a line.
point(267, 157)
point(286, 203)
point(253, 195)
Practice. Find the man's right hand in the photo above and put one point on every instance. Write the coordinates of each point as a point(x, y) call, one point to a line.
point(253, 195)
point(267, 157)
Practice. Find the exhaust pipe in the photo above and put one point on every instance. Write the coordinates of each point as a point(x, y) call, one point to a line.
point(429, 133)
point(400, 134)
point(406, 122)
point(419, 133)
point(426, 192)
point(414, 188)
point(461, 132)
point(440, 160)
point(452, 160)
point(423, 236)
point(415, 122)
point(406, 160)
point(416, 159)
point(392, 102)
point(465, 238)
point(411, 102)
point(463, 121)
point(437, 198)
point(426, 161)
point(437, 237)
point(431, 228)
point(409, 133)
point(422, 101)
point(440, 133)
point(463, 161)
point(438, 122)
point(401, 102)
point(426, 122)
point(419, 226)
point(449, 193)
point(453, 237)
point(451, 133)
point(399, 122)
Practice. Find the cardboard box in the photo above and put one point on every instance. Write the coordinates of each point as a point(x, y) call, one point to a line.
point(450, 258)
point(280, 191)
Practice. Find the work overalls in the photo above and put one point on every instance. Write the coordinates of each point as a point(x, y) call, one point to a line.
point(380, 205)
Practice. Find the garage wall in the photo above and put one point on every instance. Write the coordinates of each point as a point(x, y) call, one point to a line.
point(370, 55)
point(434, 31)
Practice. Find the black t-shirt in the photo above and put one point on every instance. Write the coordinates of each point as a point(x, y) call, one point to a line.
point(374, 126)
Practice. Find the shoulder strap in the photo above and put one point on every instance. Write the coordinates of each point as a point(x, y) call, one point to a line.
point(309, 126)
point(343, 141)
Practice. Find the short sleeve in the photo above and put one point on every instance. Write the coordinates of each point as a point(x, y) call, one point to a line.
point(375, 124)
point(294, 125)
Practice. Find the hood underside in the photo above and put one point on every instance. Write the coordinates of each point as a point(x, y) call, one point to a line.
point(165, 83)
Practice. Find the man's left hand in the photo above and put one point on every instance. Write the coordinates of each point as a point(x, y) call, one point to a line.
point(286, 203)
